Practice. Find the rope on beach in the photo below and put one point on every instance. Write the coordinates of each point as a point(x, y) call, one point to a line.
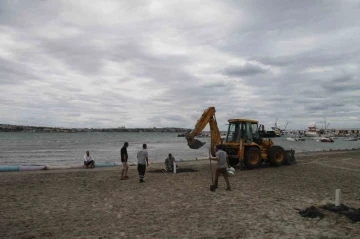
point(181, 170)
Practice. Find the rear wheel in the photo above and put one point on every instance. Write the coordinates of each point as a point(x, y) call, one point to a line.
point(276, 155)
point(252, 158)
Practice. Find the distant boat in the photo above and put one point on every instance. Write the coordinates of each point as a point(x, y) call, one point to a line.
point(295, 138)
point(181, 135)
point(327, 140)
point(317, 138)
point(312, 131)
point(351, 139)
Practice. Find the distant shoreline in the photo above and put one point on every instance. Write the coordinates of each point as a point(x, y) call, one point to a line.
point(43, 129)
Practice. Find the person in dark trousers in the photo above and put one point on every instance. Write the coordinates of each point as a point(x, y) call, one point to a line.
point(222, 165)
point(124, 161)
point(143, 162)
point(89, 160)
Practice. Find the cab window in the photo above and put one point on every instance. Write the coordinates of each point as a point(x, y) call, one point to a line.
point(234, 133)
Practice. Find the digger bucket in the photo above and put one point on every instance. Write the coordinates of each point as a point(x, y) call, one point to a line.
point(195, 143)
point(290, 157)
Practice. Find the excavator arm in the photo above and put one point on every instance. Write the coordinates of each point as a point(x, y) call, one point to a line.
point(207, 117)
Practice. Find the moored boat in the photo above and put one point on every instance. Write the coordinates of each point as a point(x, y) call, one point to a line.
point(326, 140)
point(295, 138)
point(351, 139)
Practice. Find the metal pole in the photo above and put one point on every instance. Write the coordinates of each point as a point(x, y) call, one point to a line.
point(337, 197)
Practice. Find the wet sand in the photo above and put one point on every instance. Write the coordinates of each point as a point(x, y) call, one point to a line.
point(94, 203)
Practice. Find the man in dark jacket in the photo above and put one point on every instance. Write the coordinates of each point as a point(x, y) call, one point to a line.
point(124, 161)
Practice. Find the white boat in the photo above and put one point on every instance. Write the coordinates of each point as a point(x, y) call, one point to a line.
point(317, 138)
point(312, 131)
point(291, 139)
point(326, 140)
point(351, 139)
point(295, 138)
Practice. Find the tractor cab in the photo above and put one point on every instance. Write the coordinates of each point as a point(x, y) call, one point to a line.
point(243, 129)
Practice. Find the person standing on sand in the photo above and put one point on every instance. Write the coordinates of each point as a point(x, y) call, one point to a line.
point(124, 161)
point(89, 160)
point(222, 165)
point(143, 162)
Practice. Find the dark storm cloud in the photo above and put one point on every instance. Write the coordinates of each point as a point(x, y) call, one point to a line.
point(305, 15)
point(245, 70)
point(311, 58)
point(215, 85)
point(78, 53)
point(27, 13)
point(243, 113)
point(74, 114)
point(345, 83)
point(169, 117)
point(14, 73)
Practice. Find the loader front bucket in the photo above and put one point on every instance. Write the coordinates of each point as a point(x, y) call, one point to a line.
point(290, 157)
point(195, 143)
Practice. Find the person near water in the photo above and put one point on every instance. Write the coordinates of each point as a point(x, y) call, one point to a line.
point(169, 162)
point(222, 165)
point(89, 160)
point(143, 162)
point(124, 161)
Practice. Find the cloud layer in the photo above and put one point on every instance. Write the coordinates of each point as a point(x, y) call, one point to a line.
point(162, 63)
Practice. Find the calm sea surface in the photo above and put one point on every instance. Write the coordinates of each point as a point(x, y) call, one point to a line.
point(69, 148)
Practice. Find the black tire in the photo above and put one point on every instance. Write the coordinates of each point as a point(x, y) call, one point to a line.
point(252, 158)
point(276, 156)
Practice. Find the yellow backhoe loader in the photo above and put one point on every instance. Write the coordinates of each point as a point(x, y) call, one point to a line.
point(244, 143)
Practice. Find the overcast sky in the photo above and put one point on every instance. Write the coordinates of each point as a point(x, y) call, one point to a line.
point(162, 63)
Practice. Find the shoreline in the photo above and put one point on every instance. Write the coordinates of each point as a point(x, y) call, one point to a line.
point(101, 166)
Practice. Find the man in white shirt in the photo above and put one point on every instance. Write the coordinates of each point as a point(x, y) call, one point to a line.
point(222, 165)
point(89, 160)
point(143, 162)
point(169, 162)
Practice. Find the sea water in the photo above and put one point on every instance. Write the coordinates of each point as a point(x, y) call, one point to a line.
point(21, 148)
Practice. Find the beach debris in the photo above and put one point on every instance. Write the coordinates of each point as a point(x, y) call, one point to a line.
point(351, 213)
point(179, 170)
point(337, 197)
point(311, 212)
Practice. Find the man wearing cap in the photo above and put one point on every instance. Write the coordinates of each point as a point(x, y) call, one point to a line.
point(124, 160)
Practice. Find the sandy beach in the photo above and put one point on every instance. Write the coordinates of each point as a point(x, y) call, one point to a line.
point(94, 203)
